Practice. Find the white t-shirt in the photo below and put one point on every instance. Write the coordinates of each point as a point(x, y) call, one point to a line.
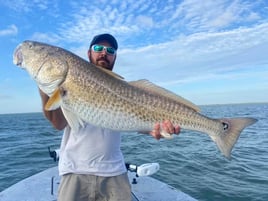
point(91, 150)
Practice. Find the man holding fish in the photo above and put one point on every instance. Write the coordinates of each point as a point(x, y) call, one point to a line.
point(91, 162)
point(95, 104)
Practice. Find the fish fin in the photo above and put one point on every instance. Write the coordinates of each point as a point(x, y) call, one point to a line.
point(111, 73)
point(54, 101)
point(232, 129)
point(73, 120)
point(153, 88)
point(48, 88)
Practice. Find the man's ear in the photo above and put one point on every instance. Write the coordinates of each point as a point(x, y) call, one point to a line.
point(88, 54)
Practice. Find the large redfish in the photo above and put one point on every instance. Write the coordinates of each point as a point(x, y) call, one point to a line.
point(87, 93)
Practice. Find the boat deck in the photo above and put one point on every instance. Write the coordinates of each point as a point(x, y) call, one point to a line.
point(43, 187)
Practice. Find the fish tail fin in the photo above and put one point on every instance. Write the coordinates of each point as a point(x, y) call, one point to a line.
point(232, 129)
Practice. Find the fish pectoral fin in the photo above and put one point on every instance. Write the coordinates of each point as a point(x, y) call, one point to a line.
point(54, 101)
point(73, 120)
point(155, 89)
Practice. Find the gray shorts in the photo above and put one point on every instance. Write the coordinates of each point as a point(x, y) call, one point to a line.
point(75, 187)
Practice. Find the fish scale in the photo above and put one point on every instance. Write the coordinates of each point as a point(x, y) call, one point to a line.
point(90, 94)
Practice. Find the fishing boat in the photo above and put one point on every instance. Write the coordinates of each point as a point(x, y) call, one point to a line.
point(43, 186)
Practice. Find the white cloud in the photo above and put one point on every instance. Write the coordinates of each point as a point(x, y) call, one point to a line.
point(29, 6)
point(144, 21)
point(198, 57)
point(164, 20)
point(47, 38)
point(17, 5)
point(10, 30)
point(213, 15)
point(253, 16)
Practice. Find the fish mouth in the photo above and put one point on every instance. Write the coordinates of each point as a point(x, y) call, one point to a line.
point(17, 56)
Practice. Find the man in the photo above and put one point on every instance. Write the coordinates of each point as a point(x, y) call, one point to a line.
point(91, 162)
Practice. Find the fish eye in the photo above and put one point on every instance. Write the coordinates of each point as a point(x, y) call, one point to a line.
point(30, 45)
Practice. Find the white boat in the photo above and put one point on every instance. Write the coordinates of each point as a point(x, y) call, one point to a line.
point(43, 186)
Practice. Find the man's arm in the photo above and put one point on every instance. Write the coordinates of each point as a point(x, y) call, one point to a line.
point(56, 117)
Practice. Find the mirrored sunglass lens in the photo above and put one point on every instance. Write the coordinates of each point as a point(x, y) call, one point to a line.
point(110, 50)
point(97, 48)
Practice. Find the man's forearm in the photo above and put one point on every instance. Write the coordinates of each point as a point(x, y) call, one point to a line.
point(56, 117)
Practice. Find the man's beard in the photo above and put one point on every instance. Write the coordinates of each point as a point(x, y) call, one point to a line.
point(108, 65)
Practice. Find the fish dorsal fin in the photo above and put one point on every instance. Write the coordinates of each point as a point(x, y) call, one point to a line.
point(152, 88)
point(110, 73)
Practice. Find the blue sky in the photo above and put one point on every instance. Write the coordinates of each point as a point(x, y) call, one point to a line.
point(210, 52)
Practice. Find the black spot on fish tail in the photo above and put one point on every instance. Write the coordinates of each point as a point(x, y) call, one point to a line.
point(225, 125)
point(231, 130)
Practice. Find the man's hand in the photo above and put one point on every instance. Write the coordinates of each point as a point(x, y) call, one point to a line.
point(166, 126)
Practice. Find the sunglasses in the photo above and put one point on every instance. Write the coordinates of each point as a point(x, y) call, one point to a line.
point(99, 48)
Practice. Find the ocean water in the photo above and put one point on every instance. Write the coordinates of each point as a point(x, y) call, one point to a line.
point(190, 162)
